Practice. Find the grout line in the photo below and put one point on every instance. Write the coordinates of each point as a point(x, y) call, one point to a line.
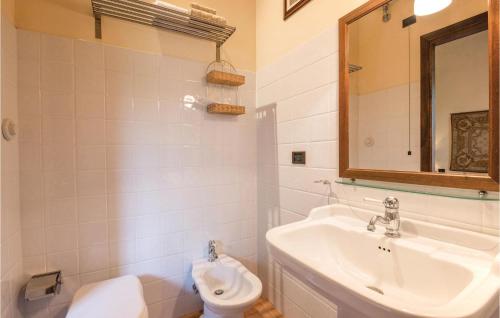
point(333, 82)
point(308, 116)
point(308, 142)
point(42, 156)
point(75, 163)
point(303, 191)
point(281, 77)
point(105, 145)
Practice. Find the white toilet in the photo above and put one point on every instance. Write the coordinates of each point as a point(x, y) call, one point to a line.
point(114, 298)
point(226, 287)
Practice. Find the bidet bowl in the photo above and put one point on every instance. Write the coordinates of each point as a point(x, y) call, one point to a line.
point(226, 287)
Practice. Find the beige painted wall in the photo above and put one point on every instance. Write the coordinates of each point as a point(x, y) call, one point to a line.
point(382, 48)
point(8, 9)
point(73, 18)
point(461, 86)
point(275, 37)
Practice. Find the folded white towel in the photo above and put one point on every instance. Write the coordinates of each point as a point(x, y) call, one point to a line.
point(215, 19)
point(221, 20)
point(171, 6)
point(198, 6)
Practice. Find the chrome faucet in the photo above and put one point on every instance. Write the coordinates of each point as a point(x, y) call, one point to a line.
point(212, 254)
point(390, 219)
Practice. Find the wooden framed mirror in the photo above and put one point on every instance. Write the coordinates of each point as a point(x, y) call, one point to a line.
point(418, 96)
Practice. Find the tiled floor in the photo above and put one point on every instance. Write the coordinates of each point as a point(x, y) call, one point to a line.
point(261, 309)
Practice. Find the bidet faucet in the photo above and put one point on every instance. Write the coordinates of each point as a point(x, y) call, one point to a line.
point(212, 254)
point(390, 219)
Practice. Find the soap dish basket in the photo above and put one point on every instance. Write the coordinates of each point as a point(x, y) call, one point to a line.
point(43, 285)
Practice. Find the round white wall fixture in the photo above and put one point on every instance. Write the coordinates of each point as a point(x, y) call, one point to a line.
point(369, 141)
point(8, 129)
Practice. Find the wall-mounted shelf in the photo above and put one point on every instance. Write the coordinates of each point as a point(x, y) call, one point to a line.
point(224, 78)
point(225, 109)
point(161, 17)
point(221, 72)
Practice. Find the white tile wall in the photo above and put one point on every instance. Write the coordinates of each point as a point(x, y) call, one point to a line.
point(389, 133)
point(297, 110)
point(119, 176)
point(10, 217)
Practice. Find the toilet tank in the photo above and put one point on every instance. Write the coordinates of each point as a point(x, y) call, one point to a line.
point(114, 298)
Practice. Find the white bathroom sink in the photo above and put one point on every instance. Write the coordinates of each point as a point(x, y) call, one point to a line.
point(430, 271)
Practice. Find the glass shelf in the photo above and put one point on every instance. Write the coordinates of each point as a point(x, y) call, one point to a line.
point(420, 189)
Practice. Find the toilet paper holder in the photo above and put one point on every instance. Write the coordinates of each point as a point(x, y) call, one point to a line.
point(43, 285)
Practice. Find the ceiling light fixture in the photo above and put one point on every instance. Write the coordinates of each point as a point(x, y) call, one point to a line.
point(426, 7)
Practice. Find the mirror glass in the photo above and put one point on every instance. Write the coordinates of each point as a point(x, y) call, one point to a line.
point(419, 92)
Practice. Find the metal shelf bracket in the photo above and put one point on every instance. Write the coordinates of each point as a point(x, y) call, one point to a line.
point(98, 32)
point(217, 52)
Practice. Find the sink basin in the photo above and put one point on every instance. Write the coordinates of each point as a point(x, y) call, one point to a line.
point(430, 271)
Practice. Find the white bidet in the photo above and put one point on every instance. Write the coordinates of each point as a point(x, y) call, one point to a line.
point(226, 287)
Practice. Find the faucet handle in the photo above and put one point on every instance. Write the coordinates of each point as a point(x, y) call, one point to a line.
point(391, 203)
point(370, 227)
point(212, 253)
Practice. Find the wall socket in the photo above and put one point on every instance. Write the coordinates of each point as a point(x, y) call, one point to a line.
point(299, 157)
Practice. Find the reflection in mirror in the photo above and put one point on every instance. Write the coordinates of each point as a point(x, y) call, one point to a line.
point(454, 75)
point(418, 89)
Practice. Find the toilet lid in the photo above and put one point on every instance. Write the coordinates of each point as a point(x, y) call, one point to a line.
point(114, 298)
